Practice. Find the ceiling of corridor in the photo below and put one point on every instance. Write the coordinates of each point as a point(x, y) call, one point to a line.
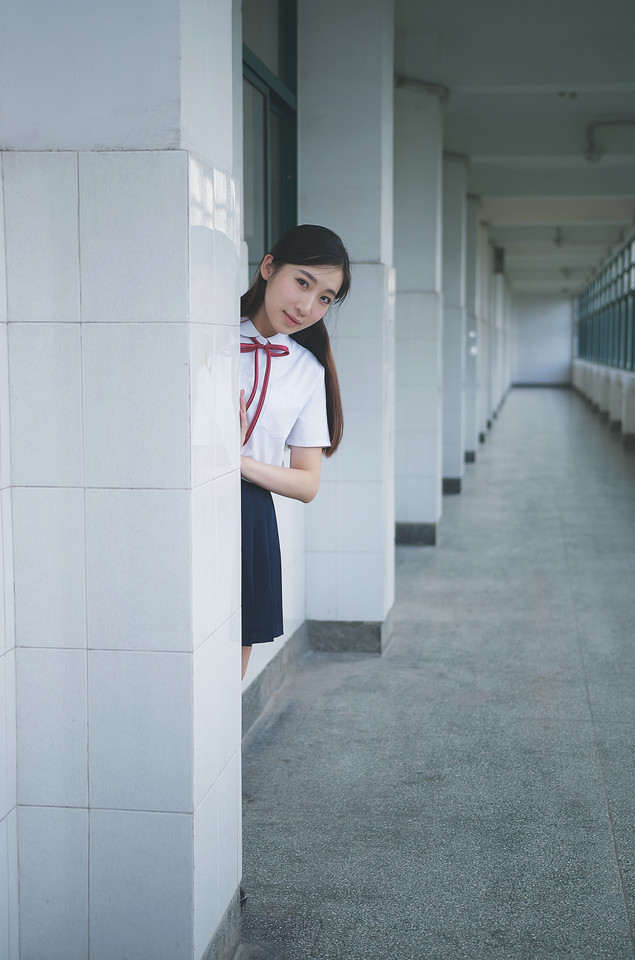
point(527, 82)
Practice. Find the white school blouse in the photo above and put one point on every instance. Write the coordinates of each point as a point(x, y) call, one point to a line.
point(294, 411)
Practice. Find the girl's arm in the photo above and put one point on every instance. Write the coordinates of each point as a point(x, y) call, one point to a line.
point(300, 480)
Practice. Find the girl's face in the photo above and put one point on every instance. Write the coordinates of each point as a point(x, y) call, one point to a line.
point(295, 297)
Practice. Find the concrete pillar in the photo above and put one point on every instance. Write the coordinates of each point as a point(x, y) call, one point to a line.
point(345, 125)
point(472, 291)
point(121, 518)
point(419, 315)
point(494, 345)
point(500, 319)
point(454, 253)
point(483, 318)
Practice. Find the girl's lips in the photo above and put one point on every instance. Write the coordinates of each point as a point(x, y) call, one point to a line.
point(291, 319)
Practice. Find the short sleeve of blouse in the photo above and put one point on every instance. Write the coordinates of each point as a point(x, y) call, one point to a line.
point(311, 428)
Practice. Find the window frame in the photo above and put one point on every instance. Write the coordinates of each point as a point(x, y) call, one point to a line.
point(281, 101)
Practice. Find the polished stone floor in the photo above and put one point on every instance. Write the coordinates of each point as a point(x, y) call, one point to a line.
point(470, 794)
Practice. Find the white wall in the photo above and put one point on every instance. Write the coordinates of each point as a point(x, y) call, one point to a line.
point(542, 329)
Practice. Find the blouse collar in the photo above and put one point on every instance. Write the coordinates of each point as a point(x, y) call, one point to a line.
point(247, 329)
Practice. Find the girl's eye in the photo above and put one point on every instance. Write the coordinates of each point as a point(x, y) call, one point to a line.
point(302, 281)
point(327, 301)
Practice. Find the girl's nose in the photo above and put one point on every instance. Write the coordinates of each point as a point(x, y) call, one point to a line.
point(303, 305)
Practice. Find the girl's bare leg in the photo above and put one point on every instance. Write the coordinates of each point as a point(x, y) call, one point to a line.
point(246, 655)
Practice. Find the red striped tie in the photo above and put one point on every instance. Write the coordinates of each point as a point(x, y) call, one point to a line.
point(272, 350)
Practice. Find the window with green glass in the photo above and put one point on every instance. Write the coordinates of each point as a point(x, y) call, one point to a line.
point(269, 122)
point(605, 313)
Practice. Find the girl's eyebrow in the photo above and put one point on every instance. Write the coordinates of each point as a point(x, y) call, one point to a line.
point(314, 279)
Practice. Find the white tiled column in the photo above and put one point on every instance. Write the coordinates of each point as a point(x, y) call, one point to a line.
point(419, 315)
point(472, 327)
point(346, 179)
point(500, 358)
point(483, 301)
point(454, 251)
point(120, 514)
point(8, 784)
point(492, 337)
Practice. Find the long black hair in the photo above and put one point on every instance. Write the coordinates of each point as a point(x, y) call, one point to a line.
point(305, 245)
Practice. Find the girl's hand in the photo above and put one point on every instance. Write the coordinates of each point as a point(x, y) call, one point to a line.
point(243, 418)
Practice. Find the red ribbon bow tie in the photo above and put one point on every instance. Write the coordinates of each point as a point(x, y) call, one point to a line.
point(272, 350)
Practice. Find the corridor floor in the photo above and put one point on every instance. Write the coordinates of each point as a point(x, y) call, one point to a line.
point(470, 794)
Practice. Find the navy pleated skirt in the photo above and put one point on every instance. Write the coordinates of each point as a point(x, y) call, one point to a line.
point(261, 567)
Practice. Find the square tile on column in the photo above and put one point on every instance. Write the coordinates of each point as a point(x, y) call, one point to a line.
point(291, 515)
point(362, 436)
point(140, 723)
point(205, 561)
point(69, 89)
point(217, 853)
point(321, 586)
point(201, 274)
point(360, 367)
point(11, 730)
point(45, 382)
point(207, 906)
point(360, 586)
point(207, 682)
point(53, 870)
point(362, 315)
point(294, 587)
point(138, 558)
point(9, 887)
point(42, 253)
point(136, 405)
point(7, 548)
point(48, 535)
point(201, 213)
point(215, 389)
point(216, 705)
point(226, 250)
point(5, 424)
point(7, 801)
point(203, 412)
point(52, 726)
point(4, 888)
point(360, 517)
point(14, 916)
point(3, 642)
point(141, 897)
point(408, 315)
point(134, 236)
point(3, 277)
point(228, 656)
point(227, 545)
point(321, 529)
point(229, 829)
point(418, 499)
point(226, 391)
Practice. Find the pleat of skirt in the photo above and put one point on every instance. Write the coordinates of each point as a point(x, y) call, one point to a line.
point(261, 567)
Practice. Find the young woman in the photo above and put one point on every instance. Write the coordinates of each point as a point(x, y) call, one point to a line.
point(289, 397)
